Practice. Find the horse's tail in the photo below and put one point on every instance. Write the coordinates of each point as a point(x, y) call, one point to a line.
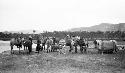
point(11, 44)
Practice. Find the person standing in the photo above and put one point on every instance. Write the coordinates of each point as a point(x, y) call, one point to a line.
point(75, 39)
point(38, 47)
point(44, 42)
point(54, 40)
point(82, 45)
point(30, 44)
point(68, 42)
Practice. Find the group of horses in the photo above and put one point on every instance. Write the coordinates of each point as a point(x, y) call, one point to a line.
point(53, 44)
point(21, 42)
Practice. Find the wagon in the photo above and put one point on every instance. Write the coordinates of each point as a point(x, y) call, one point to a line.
point(107, 46)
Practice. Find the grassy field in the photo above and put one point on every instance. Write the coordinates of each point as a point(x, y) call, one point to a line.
point(90, 62)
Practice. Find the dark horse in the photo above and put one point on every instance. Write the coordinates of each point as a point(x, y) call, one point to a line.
point(82, 45)
point(16, 42)
point(19, 42)
point(27, 43)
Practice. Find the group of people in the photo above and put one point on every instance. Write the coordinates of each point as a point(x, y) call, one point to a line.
point(52, 43)
point(75, 41)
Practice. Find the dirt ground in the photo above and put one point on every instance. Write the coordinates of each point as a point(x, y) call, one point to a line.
point(89, 62)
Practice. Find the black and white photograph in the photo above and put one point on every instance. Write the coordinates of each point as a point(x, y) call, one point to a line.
point(62, 36)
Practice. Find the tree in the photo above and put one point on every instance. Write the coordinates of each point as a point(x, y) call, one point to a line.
point(34, 31)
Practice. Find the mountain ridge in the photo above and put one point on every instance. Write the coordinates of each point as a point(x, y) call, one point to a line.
point(101, 27)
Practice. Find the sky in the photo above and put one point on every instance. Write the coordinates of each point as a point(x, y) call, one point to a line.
point(59, 15)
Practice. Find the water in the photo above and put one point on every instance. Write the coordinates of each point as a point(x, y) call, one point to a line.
point(5, 46)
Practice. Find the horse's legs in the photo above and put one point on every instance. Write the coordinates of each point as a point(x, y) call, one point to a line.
point(52, 48)
point(38, 48)
point(70, 48)
point(21, 45)
point(19, 50)
point(11, 49)
point(75, 49)
point(85, 48)
point(48, 48)
point(43, 46)
point(95, 45)
point(24, 47)
point(81, 49)
point(29, 49)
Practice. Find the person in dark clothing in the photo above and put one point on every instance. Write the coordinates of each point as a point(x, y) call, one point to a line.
point(82, 45)
point(68, 42)
point(30, 44)
point(54, 40)
point(38, 47)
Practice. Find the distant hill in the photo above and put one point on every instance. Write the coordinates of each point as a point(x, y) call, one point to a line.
point(102, 27)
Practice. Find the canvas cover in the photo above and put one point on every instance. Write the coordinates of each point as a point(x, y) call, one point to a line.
point(108, 45)
point(62, 42)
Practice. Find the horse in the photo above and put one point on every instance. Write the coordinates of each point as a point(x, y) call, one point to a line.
point(83, 45)
point(15, 42)
point(55, 44)
point(27, 45)
point(24, 43)
point(49, 43)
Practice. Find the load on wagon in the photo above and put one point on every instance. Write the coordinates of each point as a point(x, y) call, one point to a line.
point(106, 46)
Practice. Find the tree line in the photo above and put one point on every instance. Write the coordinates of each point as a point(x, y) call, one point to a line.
point(119, 35)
